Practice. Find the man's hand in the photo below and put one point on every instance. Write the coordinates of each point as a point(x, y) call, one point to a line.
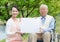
point(41, 30)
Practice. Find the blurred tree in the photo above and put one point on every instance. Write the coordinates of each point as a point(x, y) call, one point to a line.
point(28, 8)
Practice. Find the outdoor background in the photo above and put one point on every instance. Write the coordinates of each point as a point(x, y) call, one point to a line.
point(28, 8)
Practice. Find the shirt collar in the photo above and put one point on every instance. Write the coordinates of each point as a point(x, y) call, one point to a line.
point(44, 17)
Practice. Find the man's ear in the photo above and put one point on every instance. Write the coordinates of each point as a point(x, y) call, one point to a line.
point(47, 11)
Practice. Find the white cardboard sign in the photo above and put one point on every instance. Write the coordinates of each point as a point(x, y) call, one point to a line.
point(29, 25)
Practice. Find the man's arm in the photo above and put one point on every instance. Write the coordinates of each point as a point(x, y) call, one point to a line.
point(51, 25)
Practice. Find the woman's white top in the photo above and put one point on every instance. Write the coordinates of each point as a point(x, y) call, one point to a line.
point(12, 28)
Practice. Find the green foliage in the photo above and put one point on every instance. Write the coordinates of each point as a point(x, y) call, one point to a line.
point(3, 40)
point(28, 8)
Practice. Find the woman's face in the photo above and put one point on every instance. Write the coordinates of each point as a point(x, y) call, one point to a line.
point(14, 12)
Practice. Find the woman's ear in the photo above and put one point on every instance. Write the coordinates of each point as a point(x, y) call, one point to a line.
point(10, 12)
point(18, 12)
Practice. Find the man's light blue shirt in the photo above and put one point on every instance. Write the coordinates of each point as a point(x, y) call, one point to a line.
point(51, 25)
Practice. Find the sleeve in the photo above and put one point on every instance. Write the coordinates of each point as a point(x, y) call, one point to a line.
point(8, 27)
point(51, 25)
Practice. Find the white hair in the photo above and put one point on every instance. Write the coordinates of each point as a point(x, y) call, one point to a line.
point(43, 5)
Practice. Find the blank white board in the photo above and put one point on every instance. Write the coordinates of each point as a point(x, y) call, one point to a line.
point(29, 25)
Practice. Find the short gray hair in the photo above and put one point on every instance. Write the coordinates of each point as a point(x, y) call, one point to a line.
point(43, 5)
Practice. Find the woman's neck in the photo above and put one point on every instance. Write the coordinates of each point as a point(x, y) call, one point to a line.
point(14, 18)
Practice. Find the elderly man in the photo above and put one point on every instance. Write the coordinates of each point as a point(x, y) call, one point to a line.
point(46, 25)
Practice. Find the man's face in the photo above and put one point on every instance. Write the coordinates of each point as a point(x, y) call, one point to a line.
point(43, 11)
